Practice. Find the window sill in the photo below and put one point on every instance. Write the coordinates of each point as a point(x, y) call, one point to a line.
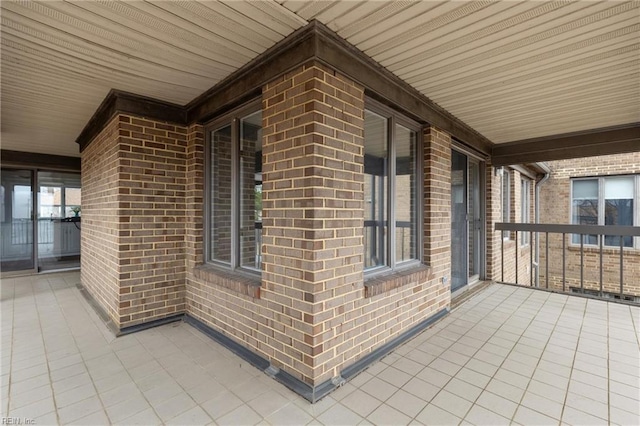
point(605, 250)
point(242, 283)
point(389, 280)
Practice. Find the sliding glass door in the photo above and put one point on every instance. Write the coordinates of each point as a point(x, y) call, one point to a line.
point(16, 214)
point(466, 220)
point(42, 207)
point(58, 220)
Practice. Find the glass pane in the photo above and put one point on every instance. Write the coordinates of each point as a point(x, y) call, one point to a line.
point(375, 189)
point(406, 195)
point(59, 221)
point(585, 189)
point(585, 207)
point(618, 188)
point(16, 196)
point(618, 207)
point(525, 210)
point(220, 208)
point(251, 190)
point(506, 201)
point(475, 217)
point(459, 240)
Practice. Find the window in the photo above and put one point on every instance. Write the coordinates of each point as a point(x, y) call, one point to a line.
point(235, 192)
point(391, 172)
point(525, 206)
point(605, 201)
point(506, 201)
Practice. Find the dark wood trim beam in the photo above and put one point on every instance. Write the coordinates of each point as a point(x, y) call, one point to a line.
point(246, 83)
point(604, 141)
point(312, 42)
point(317, 42)
point(44, 161)
point(119, 102)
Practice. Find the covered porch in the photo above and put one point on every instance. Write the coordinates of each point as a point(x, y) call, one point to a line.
point(508, 355)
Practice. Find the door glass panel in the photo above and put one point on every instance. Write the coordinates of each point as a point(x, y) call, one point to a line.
point(459, 241)
point(59, 220)
point(16, 214)
point(475, 220)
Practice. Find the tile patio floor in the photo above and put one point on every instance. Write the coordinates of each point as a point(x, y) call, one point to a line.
point(508, 355)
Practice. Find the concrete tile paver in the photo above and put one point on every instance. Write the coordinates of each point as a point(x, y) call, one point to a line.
point(506, 355)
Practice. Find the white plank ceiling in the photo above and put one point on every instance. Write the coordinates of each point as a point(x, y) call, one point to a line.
point(509, 69)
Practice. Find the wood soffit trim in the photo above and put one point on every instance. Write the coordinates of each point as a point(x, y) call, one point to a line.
point(604, 141)
point(45, 161)
point(313, 42)
point(119, 102)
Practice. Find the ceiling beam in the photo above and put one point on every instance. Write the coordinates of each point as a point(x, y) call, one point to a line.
point(610, 140)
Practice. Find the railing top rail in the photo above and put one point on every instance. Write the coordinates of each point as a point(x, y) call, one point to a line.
point(616, 230)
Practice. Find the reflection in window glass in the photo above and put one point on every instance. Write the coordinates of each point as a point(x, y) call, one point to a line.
point(406, 195)
point(251, 190)
point(618, 207)
point(585, 207)
point(376, 146)
point(220, 193)
point(506, 201)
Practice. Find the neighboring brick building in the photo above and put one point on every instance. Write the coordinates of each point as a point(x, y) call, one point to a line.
point(607, 193)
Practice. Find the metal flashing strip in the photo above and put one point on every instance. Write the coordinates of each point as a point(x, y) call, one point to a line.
point(98, 309)
point(313, 393)
point(127, 330)
point(150, 324)
point(364, 362)
point(310, 393)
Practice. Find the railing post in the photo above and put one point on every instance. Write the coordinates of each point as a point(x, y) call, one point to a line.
point(502, 255)
point(564, 243)
point(546, 275)
point(530, 258)
point(582, 262)
point(516, 257)
point(601, 238)
point(621, 268)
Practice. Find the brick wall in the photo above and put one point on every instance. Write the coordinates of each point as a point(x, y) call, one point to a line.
point(100, 260)
point(555, 207)
point(311, 313)
point(134, 219)
point(495, 242)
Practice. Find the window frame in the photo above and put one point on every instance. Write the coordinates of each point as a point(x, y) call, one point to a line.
point(525, 208)
point(394, 118)
point(506, 204)
point(635, 242)
point(233, 119)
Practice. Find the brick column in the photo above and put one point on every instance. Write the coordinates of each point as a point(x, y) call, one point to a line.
point(437, 189)
point(313, 122)
point(133, 251)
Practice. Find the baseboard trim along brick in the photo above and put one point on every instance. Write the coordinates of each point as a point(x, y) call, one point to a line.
point(151, 324)
point(364, 362)
point(104, 316)
point(313, 393)
point(310, 393)
point(102, 313)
